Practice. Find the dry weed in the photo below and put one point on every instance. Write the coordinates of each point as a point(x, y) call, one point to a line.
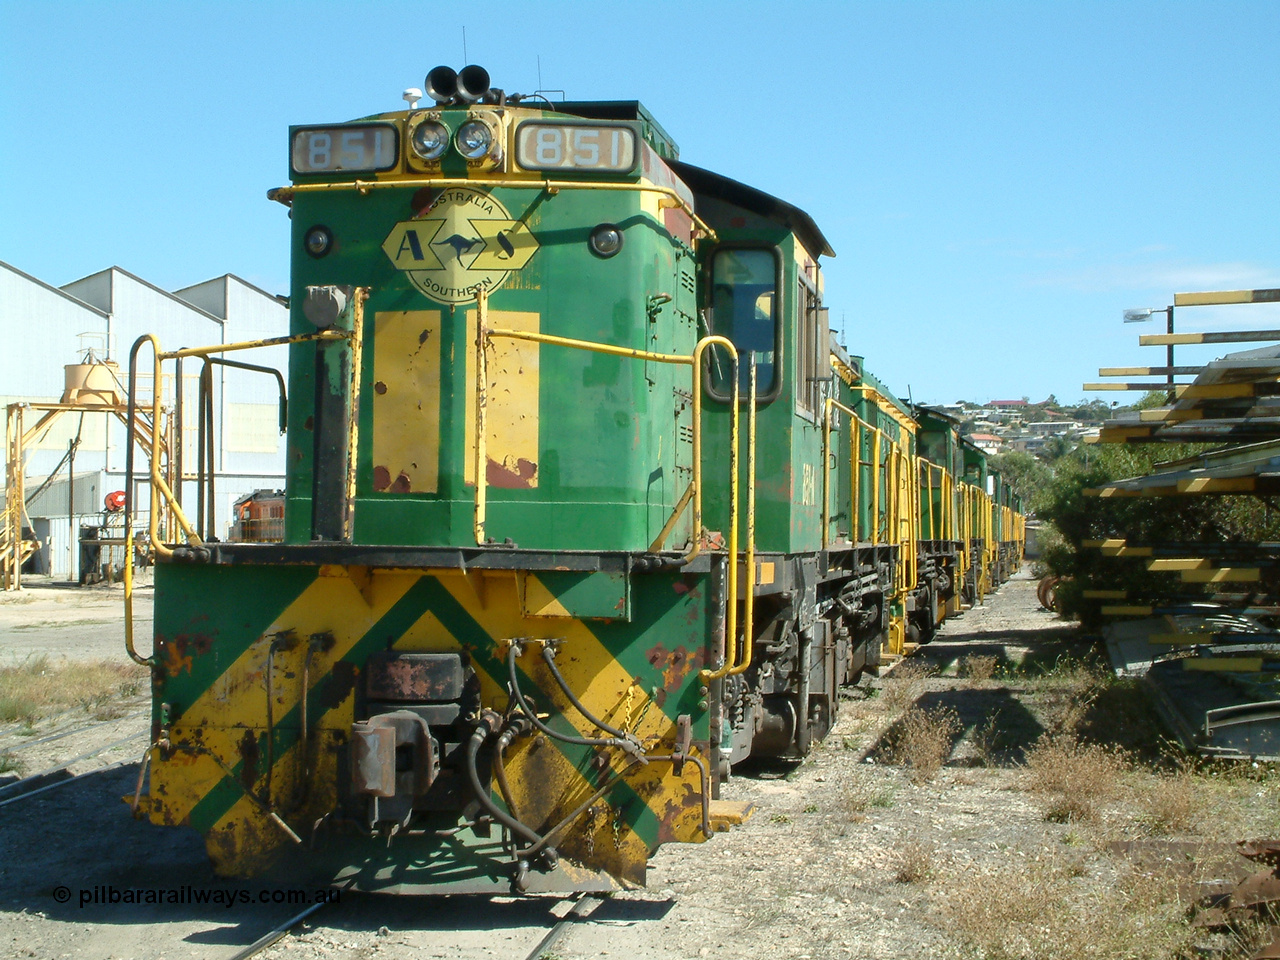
point(1171, 804)
point(904, 685)
point(978, 667)
point(986, 740)
point(1076, 778)
point(864, 796)
point(36, 688)
point(1046, 910)
point(922, 740)
point(1074, 685)
point(914, 861)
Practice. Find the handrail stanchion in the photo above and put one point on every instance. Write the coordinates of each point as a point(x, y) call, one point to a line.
point(482, 401)
point(706, 675)
point(826, 472)
point(748, 610)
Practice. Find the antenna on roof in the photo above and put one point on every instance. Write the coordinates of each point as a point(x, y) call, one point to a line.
point(464, 45)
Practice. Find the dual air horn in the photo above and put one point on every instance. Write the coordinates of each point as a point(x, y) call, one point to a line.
point(444, 85)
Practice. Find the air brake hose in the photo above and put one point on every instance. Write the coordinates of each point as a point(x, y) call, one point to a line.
point(549, 655)
point(484, 729)
point(629, 746)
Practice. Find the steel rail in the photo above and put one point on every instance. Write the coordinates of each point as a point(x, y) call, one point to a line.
point(26, 794)
point(71, 731)
point(281, 930)
point(556, 932)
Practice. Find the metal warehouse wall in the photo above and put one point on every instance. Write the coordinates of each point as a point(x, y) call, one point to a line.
point(48, 327)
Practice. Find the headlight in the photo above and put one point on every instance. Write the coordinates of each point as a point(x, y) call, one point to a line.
point(473, 139)
point(605, 240)
point(430, 139)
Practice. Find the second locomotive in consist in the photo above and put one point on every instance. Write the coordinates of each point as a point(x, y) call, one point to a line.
point(583, 507)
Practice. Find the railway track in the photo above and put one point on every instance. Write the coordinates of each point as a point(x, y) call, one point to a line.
point(582, 904)
point(32, 786)
point(25, 743)
point(279, 932)
point(575, 914)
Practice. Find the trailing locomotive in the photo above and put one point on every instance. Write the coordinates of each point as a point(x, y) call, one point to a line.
point(583, 506)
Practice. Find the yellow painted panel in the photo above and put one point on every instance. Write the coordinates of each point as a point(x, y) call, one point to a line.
point(1224, 664)
point(406, 401)
point(511, 416)
point(541, 602)
point(1212, 297)
point(1184, 563)
point(546, 786)
point(1176, 639)
point(1217, 485)
point(765, 575)
point(1223, 575)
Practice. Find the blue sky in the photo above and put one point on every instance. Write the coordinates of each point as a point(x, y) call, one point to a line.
point(999, 180)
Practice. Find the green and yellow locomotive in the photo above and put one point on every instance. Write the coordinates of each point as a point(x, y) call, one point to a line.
point(583, 506)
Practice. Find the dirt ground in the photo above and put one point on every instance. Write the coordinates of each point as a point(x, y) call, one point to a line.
point(79, 623)
point(851, 854)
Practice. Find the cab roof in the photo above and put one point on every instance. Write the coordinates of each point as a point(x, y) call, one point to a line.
point(756, 201)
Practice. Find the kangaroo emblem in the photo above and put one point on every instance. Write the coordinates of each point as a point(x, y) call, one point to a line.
point(459, 243)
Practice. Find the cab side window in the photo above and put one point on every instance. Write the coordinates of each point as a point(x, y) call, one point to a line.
point(813, 366)
point(744, 308)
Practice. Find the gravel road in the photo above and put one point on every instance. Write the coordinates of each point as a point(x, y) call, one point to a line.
point(817, 872)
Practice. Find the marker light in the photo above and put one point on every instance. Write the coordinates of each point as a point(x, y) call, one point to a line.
point(474, 139)
point(605, 240)
point(318, 241)
point(430, 139)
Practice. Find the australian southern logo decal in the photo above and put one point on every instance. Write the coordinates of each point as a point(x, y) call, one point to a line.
point(466, 239)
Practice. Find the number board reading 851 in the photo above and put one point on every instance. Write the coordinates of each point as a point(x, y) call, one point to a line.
point(571, 146)
point(368, 147)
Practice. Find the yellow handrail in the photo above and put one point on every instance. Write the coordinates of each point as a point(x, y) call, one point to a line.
point(749, 596)
point(160, 489)
point(875, 488)
point(285, 195)
point(484, 334)
point(856, 425)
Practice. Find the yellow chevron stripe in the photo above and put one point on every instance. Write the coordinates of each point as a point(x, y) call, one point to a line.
point(237, 700)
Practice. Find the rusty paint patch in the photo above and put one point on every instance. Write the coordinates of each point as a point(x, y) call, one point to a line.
point(435, 677)
point(674, 665)
point(381, 478)
point(421, 200)
point(401, 483)
point(309, 423)
point(520, 475)
point(379, 388)
point(175, 660)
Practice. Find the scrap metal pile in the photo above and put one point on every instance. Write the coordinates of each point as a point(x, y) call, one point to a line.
point(1211, 645)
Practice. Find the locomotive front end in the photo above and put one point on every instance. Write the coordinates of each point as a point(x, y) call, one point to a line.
point(474, 661)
